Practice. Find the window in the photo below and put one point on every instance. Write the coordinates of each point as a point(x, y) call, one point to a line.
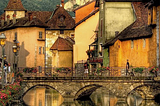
point(40, 50)
point(62, 18)
point(144, 43)
point(43, 50)
point(40, 69)
point(15, 36)
point(61, 31)
point(72, 35)
point(132, 44)
point(101, 27)
point(40, 35)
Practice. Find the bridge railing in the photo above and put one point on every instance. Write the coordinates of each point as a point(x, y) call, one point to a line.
point(71, 72)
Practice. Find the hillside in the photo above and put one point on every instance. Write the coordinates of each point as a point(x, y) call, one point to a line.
point(34, 5)
point(45, 5)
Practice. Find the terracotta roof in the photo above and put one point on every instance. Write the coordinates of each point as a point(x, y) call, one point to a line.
point(56, 23)
point(62, 44)
point(89, 15)
point(42, 15)
point(138, 29)
point(15, 5)
point(23, 22)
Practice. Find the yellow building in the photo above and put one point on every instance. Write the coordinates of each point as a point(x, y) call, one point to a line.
point(14, 7)
point(31, 38)
point(85, 34)
point(29, 31)
point(36, 31)
point(62, 51)
point(135, 43)
point(61, 24)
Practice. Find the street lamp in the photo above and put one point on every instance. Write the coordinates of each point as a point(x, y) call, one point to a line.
point(15, 48)
point(2, 44)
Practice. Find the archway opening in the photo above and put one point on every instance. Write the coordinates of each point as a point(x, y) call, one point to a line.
point(42, 96)
point(157, 98)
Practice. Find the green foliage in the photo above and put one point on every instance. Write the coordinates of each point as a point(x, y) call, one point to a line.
point(138, 70)
point(63, 69)
point(30, 70)
point(100, 69)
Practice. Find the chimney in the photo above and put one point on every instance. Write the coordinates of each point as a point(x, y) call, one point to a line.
point(8, 19)
point(30, 16)
point(57, 6)
point(14, 18)
point(2, 21)
point(116, 33)
point(62, 3)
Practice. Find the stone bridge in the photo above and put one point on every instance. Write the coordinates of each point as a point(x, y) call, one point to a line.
point(78, 87)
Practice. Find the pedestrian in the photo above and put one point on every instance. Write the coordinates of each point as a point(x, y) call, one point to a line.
point(5, 71)
point(85, 69)
point(9, 75)
point(127, 67)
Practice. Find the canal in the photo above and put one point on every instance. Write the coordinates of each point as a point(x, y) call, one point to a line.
point(45, 96)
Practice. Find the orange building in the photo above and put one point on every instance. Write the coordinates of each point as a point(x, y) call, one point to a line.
point(135, 43)
point(83, 11)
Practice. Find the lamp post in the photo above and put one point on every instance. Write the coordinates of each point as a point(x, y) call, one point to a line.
point(15, 48)
point(2, 43)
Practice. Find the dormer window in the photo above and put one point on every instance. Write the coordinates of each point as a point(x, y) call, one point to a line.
point(14, 1)
point(61, 19)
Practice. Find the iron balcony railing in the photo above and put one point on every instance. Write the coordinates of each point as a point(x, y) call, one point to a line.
point(72, 72)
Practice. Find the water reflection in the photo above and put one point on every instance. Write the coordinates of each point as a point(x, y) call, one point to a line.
point(42, 96)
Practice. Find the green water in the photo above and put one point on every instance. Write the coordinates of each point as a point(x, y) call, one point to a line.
point(42, 96)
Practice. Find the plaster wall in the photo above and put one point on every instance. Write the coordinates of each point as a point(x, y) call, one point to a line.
point(84, 36)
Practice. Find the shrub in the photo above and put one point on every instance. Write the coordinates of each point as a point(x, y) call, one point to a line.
point(138, 70)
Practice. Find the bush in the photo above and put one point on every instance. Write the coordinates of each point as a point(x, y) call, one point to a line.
point(61, 69)
point(138, 70)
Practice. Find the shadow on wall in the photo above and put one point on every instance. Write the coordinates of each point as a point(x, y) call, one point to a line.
point(23, 53)
point(8, 51)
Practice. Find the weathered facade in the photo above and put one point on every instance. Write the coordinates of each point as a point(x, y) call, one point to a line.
point(114, 17)
point(61, 24)
point(137, 42)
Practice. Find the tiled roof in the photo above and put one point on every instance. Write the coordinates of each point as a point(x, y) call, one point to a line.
point(42, 15)
point(56, 23)
point(62, 44)
point(138, 29)
point(15, 5)
point(23, 22)
point(89, 15)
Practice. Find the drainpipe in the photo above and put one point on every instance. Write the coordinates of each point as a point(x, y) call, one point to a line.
point(157, 30)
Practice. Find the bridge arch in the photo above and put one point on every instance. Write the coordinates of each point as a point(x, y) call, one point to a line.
point(86, 91)
point(45, 85)
point(147, 91)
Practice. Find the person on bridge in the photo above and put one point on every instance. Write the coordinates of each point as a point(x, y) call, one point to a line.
point(9, 73)
point(85, 69)
point(127, 67)
point(5, 71)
